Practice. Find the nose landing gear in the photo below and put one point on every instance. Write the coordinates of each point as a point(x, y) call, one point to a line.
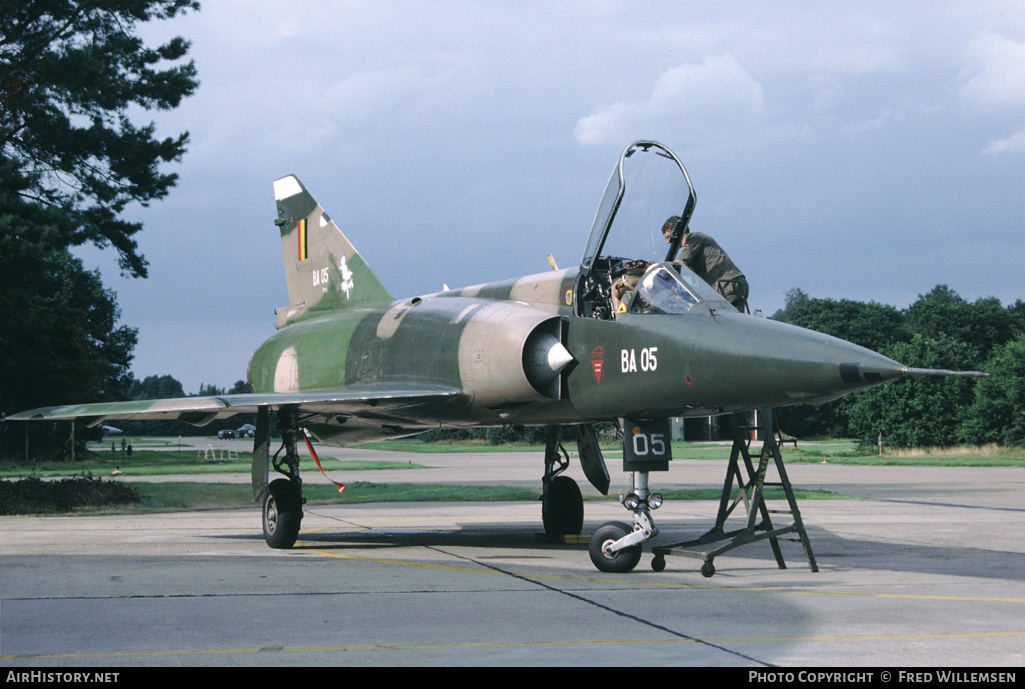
point(616, 546)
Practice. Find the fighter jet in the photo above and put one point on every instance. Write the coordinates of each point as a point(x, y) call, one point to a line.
point(627, 335)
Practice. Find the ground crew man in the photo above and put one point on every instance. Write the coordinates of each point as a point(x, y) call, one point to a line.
point(706, 258)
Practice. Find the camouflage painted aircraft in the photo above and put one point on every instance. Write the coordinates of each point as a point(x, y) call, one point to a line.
point(627, 336)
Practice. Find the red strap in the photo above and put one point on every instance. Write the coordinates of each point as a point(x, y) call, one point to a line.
point(316, 459)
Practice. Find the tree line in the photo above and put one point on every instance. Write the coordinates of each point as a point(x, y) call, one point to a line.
point(74, 78)
point(940, 329)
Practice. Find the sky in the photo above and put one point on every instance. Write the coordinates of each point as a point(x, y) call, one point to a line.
point(855, 150)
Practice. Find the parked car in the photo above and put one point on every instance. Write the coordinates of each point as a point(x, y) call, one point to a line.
point(228, 433)
point(246, 431)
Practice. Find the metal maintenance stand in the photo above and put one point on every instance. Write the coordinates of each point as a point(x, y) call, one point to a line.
point(759, 524)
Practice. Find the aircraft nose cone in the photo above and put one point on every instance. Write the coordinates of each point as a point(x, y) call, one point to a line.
point(820, 367)
point(768, 363)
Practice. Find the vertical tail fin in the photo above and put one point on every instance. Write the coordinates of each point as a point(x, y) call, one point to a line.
point(323, 270)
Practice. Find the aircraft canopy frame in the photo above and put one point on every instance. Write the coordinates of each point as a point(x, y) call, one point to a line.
point(648, 186)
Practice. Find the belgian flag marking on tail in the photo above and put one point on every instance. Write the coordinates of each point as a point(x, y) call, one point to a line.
point(309, 236)
point(300, 230)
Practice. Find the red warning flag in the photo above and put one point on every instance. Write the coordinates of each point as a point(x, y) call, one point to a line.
point(316, 460)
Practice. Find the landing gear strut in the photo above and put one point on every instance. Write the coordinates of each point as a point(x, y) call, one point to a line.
point(283, 501)
point(616, 546)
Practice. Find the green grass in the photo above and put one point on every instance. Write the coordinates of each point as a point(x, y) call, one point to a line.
point(770, 494)
point(91, 496)
point(968, 456)
point(174, 496)
point(169, 462)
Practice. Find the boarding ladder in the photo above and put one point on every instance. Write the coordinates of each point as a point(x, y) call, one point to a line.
point(759, 525)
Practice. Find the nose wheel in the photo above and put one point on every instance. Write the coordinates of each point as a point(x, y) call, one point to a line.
point(616, 546)
point(602, 555)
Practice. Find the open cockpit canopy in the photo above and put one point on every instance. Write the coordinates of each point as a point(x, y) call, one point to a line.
point(648, 187)
point(626, 267)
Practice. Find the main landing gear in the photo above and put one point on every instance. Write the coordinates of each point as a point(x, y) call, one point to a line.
point(282, 499)
point(282, 514)
point(562, 505)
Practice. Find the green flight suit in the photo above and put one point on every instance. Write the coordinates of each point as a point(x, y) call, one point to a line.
point(706, 258)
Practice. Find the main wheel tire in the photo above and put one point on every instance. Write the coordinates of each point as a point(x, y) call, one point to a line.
point(621, 561)
point(562, 510)
point(282, 514)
